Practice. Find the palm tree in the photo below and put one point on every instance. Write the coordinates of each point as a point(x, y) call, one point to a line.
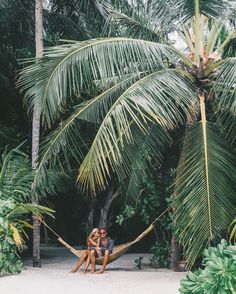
point(147, 83)
point(36, 130)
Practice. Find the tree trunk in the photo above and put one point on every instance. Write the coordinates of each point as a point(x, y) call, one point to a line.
point(111, 196)
point(89, 224)
point(174, 253)
point(36, 131)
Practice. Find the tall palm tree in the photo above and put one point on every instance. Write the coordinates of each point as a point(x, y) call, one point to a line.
point(36, 118)
point(149, 82)
point(36, 130)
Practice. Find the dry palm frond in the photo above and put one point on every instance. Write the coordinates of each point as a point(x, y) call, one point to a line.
point(16, 236)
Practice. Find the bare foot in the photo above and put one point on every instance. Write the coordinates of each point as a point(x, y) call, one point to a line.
point(100, 272)
point(74, 270)
point(93, 272)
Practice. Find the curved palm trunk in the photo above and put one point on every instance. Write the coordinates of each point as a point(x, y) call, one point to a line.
point(36, 132)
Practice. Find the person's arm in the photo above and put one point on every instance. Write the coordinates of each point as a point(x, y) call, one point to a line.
point(97, 246)
point(110, 245)
point(92, 242)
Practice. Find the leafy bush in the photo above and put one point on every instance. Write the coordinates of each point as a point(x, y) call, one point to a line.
point(127, 213)
point(161, 254)
point(15, 186)
point(13, 219)
point(139, 262)
point(218, 275)
point(10, 262)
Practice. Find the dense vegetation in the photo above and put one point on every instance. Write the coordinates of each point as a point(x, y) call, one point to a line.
point(136, 104)
point(15, 184)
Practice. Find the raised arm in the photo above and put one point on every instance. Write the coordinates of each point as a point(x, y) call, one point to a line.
point(91, 242)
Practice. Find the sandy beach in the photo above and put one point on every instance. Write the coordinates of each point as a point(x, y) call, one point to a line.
point(121, 276)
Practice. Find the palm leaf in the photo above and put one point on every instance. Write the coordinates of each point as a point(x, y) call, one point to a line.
point(225, 98)
point(224, 87)
point(21, 209)
point(210, 8)
point(163, 97)
point(203, 189)
point(232, 229)
point(148, 152)
point(158, 18)
point(15, 176)
point(68, 137)
point(67, 70)
point(136, 20)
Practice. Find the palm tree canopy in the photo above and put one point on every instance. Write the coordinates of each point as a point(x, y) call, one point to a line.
point(125, 86)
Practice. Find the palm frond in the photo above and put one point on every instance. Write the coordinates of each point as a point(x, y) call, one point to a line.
point(68, 137)
point(224, 88)
point(136, 20)
point(148, 152)
point(15, 176)
point(52, 181)
point(159, 18)
point(61, 26)
point(67, 70)
point(210, 8)
point(203, 189)
point(227, 124)
point(163, 97)
point(26, 208)
point(232, 230)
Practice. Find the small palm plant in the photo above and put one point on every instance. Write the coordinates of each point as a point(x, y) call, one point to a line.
point(142, 85)
point(16, 178)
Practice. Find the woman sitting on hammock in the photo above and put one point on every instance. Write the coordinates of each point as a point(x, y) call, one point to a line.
point(92, 241)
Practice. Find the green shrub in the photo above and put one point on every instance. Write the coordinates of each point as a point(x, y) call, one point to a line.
point(161, 254)
point(10, 262)
point(218, 275)
point(139, 262)
point(13, 219)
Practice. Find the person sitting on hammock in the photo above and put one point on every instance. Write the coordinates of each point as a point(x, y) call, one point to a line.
point(92, 241)
point(105, 248)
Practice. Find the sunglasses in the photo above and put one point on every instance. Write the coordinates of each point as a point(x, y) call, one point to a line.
point(103, 233)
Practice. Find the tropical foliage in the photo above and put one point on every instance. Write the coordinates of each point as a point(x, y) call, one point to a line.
point(129, 88)
point(218, 274)
point(233, 230)
point(16, 178)
point(13, 220)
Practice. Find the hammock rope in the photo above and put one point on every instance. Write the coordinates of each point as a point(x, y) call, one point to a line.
point(117, 251)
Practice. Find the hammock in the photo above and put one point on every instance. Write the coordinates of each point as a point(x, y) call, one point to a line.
point(117, 250)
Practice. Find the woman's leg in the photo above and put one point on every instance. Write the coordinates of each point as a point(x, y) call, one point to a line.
point(87, 263)
point(93, 261)
point(80, 261)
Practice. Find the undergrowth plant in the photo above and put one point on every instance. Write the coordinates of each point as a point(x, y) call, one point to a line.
point(13, 220)
point(218, 275)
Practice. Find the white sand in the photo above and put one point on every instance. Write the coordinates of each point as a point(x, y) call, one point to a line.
point(121, 277)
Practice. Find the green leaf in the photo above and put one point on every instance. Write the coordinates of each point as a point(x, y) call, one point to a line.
point(203, 189)
point(67, 70)
point(163, 97)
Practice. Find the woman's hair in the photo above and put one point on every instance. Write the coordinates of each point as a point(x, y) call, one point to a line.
point(94, 231)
